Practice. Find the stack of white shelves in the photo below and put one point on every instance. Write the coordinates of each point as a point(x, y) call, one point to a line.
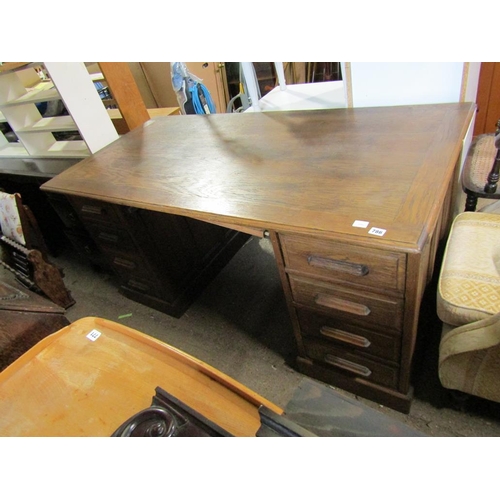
point(68, 82)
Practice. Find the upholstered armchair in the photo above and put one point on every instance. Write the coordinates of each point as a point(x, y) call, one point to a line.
point(468, 304)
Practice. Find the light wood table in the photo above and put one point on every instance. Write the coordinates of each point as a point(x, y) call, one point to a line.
point(91, 376)
point(354, 201)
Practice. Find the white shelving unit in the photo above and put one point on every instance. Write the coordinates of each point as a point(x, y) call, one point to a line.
point(69, 82)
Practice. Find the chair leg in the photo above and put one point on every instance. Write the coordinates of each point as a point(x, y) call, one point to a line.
point(470, 202)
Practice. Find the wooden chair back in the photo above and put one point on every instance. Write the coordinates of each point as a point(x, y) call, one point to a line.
point(23, 251)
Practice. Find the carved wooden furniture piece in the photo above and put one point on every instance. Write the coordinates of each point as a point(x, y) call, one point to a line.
point(354, 201)
point(24, 253)
point(481, 170)
point(25, 319)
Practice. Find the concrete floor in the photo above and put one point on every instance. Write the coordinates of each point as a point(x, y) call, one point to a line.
point(240, 326)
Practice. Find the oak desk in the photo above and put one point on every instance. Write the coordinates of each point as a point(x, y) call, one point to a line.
point(354, 201)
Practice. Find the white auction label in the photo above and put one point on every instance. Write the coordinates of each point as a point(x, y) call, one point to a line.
point(377, 231)
point(94, 335)
point(360, 223)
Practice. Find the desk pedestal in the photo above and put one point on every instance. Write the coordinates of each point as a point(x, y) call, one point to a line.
point(162, 261)
point(354, 311)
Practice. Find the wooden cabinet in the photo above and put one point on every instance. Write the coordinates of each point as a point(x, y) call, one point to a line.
point(161, 260)
point(122, 96)
point(83, 129)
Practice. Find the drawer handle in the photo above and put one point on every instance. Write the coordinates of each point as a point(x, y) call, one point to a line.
point(127, 264)
point(347, 337)
point(93, 210)
point(322, 299)
point(113, 238)
point(138, 286)
point(348, 365)
point(338, 265)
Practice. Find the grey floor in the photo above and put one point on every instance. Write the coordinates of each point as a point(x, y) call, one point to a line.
point(240, 326)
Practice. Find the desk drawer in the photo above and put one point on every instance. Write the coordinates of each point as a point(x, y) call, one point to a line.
point(365, 309)
point(140, 285)
point(86, 247)
point(109, 237)
point(343, 262)
point(129, 265)
point(350, 337)
point(352, 364)
point(95, 210)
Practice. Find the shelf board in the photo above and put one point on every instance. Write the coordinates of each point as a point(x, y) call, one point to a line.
point(69, 149)
point(2, 118)
point(52, 124)
point(97, 77)
point(60, 149)
point(41, 93)
point(13, 150)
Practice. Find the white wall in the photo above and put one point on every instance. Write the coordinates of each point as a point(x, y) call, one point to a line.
point(386, 84)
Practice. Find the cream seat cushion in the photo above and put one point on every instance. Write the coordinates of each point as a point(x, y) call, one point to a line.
point(469, 285)
point(10, 221)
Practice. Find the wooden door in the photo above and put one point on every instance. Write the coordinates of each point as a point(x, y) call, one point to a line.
point(157, 75)
point(210, 73)
point(488, 98)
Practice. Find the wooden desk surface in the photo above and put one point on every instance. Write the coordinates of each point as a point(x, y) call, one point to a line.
point(311, 172)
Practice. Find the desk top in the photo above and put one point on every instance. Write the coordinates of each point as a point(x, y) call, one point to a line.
point(312, 172)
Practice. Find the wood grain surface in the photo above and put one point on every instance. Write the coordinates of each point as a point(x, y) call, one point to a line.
point(311, 171)
point(69, 385)
point(355, 201)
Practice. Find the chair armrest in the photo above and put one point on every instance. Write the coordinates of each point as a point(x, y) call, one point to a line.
point(482, 334)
